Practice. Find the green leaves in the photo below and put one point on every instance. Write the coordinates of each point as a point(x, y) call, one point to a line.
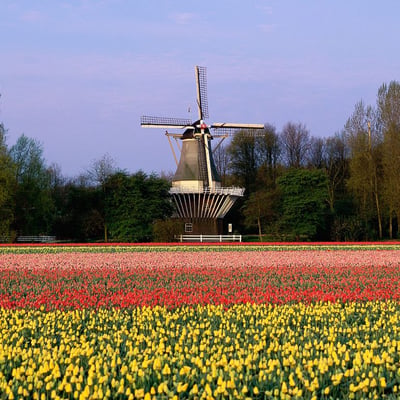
point(133, 203)
point(304, 202)
point(33, 203)
point(6, 188)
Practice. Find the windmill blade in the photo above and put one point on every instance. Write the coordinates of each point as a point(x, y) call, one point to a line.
point(202, 101)
point(218, 125)
point(225, 132)
point(230, 129)
point(147, 121)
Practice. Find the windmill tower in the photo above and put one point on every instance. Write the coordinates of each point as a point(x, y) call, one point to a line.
point(200, 201)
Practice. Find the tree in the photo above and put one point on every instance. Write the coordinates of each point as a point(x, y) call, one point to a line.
point(166, 230)
point(259, 209)
point(101, 170)
point(34, 209)
point(98, 174)
point(295, 140)
point(304, 203)
point(254, 158)
point(134, 203)
point(222, 160)
point(364, 141)
point(336, 159)
point(268, 151)
point(243, 159)
point(317, 153)
point(7, 187)
point(79, 208)
point(388, 104)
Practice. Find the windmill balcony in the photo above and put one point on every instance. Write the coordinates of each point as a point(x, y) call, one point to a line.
point(232, 191)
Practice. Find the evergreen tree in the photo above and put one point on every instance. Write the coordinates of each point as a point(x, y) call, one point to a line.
point(133, 204)
point(304, 203)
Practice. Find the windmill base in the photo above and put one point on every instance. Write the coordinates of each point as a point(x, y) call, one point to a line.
point(201, 226)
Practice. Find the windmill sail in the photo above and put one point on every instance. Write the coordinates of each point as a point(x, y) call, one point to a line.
point(217, 125)
point(202, 101)
point(147, 121)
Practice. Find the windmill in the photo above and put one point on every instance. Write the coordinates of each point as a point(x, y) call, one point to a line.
point(201, 202)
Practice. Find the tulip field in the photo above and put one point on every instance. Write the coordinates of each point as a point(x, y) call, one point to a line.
point(200, 322)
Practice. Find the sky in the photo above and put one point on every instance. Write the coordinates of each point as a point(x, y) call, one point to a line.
point(77, 75)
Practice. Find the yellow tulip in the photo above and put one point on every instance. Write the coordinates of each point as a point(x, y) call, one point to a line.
point(139, 393)
point(166, 370)
point(195, 389)
point(157, 364)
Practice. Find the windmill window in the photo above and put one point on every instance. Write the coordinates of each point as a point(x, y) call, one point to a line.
point(188, 227)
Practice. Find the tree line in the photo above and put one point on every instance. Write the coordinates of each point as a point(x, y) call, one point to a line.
point(298, 187)
point(342, 187)
point(103, 203)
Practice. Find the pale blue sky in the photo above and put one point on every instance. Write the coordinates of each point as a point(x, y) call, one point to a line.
point(77, 75)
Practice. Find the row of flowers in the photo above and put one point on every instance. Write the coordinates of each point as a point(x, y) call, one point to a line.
point(43, 248)
point(314, 351)
point(82, 280)
point(312, 324)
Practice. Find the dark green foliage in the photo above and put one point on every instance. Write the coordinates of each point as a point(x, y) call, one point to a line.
point(133, 204)
point(166, 230)
point(260, 210)
point(243, 159)
point(79, 215)
point(34, 209)
point(304, 203)
point(7, 185)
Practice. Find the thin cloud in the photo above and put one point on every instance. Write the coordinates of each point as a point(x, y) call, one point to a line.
point(183, 18)
point(266, 9)
point(267, 28)
point(32, 16)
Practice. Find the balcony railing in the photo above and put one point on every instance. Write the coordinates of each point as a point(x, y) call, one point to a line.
point(233, 191)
